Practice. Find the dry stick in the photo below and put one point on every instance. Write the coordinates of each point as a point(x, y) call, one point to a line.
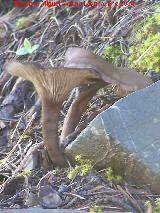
point(15, 129)
point(18, 142)
point(14, 99)
point(74, 195)
point(4, 78)
point(25, 159)
point(146, 51)
point(131, 199)
point(35, 108)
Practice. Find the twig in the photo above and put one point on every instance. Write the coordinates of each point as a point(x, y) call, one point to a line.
point(25, 159)
point(18, 142)
point(146, 51)
point(75, 195)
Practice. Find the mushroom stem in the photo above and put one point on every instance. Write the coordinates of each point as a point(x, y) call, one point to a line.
point(50, 118)
point(77, 108)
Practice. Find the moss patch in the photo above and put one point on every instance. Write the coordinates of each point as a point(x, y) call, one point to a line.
point(145, 47)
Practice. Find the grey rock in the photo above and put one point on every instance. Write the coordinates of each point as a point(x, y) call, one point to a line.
point(48, 197)
point(40, 210)
point(126, 137)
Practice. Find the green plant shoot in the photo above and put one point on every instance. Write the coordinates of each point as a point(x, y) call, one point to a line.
point(27, 48)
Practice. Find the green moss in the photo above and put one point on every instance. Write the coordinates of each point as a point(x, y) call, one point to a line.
point(112, 54)
point(116, 179)
point(95, 209)
point(156, 208)
point(100, 92)
point(25, 173)
point(82, 167)
point(145, 48)
point(22, 22)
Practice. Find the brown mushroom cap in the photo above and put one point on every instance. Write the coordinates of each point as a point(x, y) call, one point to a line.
point(51, 83)
point(128, 79)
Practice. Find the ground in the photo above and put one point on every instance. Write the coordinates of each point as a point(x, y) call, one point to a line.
point(53, 30)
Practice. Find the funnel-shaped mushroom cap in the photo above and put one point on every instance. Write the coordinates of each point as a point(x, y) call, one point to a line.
point(128, 79)
point(51, 83)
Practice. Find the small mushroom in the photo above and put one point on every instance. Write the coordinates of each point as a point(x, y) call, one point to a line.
point(52, 85)
point(126, 79)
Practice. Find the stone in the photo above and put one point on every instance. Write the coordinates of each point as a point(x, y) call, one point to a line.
point(48, 196)
point(40, 210)
point(126, 137)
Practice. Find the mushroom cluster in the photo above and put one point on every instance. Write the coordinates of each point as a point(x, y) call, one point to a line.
point(81, 68)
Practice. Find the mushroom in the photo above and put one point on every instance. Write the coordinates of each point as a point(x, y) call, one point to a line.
point(126, 79)
point(52, 85)
point(78, 107)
